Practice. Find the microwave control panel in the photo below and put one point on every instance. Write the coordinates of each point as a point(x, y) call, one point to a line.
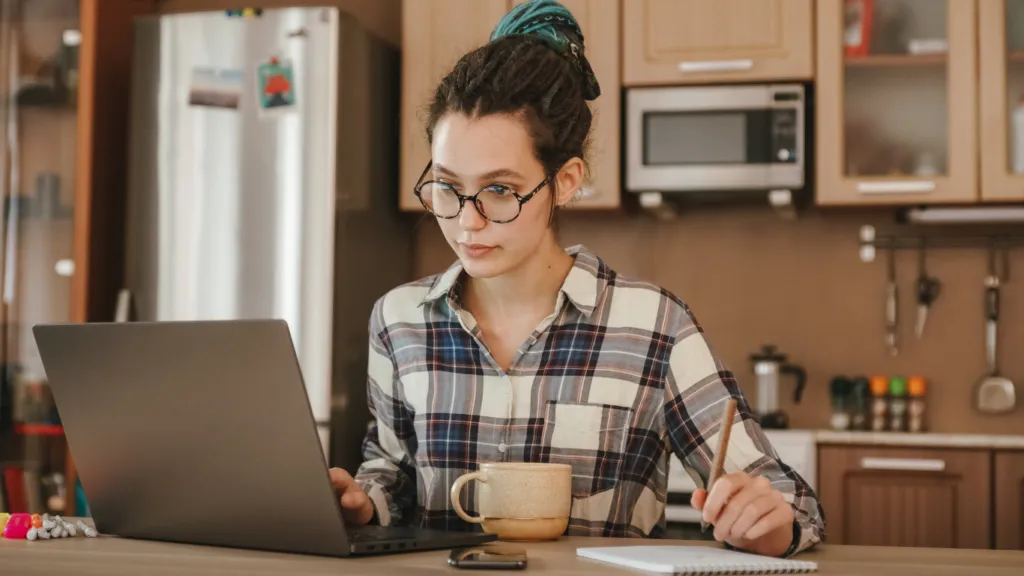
point(785, 126)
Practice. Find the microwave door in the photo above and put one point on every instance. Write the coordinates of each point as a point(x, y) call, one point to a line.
point(697, 139)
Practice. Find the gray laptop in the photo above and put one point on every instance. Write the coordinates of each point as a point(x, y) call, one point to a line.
point(202, 433)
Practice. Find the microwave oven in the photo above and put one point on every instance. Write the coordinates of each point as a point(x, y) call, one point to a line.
point(716, 139)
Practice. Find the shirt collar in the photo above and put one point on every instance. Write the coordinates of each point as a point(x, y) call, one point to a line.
point(585, 282)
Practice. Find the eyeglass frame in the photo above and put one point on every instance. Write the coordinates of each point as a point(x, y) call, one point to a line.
point(522, 199)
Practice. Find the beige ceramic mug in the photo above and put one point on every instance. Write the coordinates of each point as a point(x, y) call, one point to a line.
point(519, 500)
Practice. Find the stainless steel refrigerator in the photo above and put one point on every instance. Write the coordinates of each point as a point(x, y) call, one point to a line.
point(262, 184)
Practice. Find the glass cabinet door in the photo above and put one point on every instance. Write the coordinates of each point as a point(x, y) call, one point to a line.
point(39, 42)
point(1001, 61)
point(896, 101)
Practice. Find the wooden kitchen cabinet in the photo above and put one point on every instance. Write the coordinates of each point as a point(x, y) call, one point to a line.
point(435, 34)
point(697, 41)
point(897, 111)
point(898, 496)
point(433, 43)
point(1001, 89)
point(599, 21)
point(1009, 498)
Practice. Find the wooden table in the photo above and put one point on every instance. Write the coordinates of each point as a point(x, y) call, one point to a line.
point(110, 556)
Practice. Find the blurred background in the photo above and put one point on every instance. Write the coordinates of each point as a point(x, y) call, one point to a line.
point(835, 187)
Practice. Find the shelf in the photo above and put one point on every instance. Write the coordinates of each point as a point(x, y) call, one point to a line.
point(1016, 56)
point(39, 429)
point(896, 60)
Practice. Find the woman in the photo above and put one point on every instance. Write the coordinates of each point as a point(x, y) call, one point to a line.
point(520, 339)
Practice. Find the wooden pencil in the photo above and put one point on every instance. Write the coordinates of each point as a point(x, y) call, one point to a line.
point(718, 464)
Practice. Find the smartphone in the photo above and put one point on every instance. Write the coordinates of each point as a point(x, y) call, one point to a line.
point(488, 558)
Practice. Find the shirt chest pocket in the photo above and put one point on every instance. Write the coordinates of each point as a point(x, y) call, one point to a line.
point(592, 438)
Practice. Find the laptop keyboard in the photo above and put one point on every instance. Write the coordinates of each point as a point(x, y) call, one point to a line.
point(375, 533)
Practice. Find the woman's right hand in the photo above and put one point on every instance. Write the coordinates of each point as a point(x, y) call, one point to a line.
point(355, 504)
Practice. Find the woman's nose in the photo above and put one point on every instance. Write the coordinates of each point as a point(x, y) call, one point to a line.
point(471, 218)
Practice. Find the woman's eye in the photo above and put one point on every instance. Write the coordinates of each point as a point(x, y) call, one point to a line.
point(500, 190)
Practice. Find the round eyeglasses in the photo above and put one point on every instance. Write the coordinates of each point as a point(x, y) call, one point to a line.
point(497, 203)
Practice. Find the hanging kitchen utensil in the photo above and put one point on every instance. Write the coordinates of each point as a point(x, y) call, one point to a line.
point(994, 393)
point(891, 297)
point(928, 289)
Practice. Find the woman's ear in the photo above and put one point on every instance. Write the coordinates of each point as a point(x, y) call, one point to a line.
point(568, 181)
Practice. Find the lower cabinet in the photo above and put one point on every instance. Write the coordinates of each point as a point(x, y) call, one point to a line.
point(902, 496)
point(1009, 508)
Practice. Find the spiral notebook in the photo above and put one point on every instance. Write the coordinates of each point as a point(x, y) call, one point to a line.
point(695, 560)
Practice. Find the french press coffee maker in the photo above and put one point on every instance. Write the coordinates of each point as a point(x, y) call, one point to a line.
point(769, 364)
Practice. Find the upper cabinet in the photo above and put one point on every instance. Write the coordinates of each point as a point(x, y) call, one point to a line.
point(435, 34)
point(897, 101)
point(599, 21)
point(1001, 90)
point(704, 41)
point(433, 43)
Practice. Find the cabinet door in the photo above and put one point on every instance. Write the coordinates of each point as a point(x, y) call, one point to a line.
point(697, 41)
point(1001, 59)
point(1009, 500)
point(435, 34)
point(896, 102)
point(906, 496)
point(599, 21)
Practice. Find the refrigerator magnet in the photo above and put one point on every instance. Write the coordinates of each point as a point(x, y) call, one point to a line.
point(275, 87)
point(215, 87)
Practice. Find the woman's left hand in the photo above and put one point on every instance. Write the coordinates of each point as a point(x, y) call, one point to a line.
point(747, 513)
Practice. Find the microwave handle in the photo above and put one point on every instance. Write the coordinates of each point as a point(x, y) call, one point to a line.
point(716, 66)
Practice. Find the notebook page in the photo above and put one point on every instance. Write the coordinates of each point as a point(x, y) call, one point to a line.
point(694, 560)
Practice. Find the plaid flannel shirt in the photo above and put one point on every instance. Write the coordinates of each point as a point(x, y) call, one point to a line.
point(619, 375)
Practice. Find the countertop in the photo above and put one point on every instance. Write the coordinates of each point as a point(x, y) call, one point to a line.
point(926, 439)
point(111, 556)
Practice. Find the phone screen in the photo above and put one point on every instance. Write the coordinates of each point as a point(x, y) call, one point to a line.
point(488, 557)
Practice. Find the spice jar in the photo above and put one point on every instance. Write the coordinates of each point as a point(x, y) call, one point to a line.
point(898, 405)
point(840, 419)
point(879, 402)
point(915, 412)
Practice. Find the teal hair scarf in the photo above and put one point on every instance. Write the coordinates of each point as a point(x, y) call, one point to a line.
point(551, 23)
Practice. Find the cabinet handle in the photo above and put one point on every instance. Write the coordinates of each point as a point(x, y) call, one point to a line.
point(715, 66)
point(915, 464)
point(896, 187)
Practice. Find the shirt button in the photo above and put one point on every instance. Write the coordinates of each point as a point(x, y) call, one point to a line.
point(502, 447)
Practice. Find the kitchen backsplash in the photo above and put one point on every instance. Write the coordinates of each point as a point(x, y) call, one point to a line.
point(752, 278)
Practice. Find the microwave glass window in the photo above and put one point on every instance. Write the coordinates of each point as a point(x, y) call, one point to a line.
point(896, 102)
point(716, 137)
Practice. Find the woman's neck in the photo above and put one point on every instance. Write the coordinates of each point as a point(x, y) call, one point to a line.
point(531, 288)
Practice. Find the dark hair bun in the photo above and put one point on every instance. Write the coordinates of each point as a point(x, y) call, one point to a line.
point(553, 24)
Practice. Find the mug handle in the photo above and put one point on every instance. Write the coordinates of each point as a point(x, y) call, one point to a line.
point(457, 487)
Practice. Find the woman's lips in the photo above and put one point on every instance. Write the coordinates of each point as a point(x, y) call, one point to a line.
point(475, 250)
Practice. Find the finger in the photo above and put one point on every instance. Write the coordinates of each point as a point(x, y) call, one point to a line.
point(758, 508)
point(341, 480)
point(720, 493)
point(735, 507)
point(779, 516)
point(354, 499)
point(698, 498)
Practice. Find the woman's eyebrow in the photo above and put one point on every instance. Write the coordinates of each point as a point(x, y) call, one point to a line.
point(493, 174)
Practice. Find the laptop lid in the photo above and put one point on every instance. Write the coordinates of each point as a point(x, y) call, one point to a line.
point(197, 432)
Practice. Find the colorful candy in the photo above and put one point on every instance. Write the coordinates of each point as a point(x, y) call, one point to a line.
point(18, 526)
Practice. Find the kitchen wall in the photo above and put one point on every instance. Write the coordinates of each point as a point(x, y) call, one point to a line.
point(752, 278)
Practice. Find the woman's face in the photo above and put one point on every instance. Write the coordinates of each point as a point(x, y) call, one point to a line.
point(495, 152)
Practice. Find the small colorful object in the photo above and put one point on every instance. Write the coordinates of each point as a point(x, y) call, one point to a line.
point(37, 521)
point(18, 526)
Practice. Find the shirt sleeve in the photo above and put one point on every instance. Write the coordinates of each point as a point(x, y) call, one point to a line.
point(388, 472)
point(696, 388)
